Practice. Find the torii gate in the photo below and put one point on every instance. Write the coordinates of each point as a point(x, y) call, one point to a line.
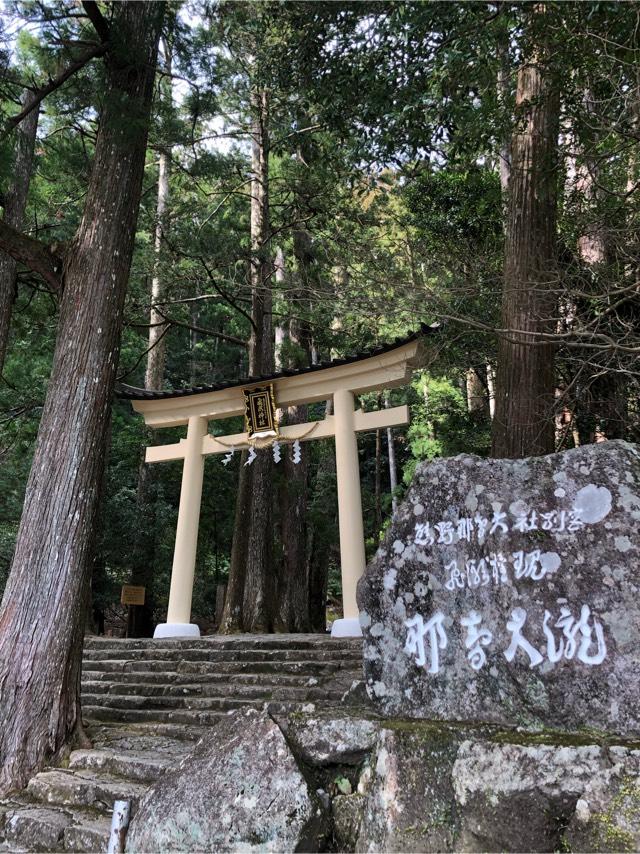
point(341, 379)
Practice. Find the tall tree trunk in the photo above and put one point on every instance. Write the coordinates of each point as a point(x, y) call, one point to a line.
point(504, 153)
point(154, 374)
point(377, 479)
point(140, 621)
point(42, 616)
point(393, 467)
point(293, 591)
point(476, 398)
point(293, 599)
point(257, 609)
point(322, 522)
point(292, 602)
point(249, 603)
point(524, 417)
point(491, 389)
point(232, 612)
point(607, 391)
point(15, 204)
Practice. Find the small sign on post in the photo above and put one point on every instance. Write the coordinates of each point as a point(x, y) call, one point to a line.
point(260, 412)
point(132, 594)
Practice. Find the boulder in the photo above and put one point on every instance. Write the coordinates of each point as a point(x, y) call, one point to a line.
point(508, 591)
point(240, 789)
point(331, 739)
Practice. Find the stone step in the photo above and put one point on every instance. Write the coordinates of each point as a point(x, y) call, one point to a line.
point(239, 642)
point(137, 765)
point(310, 668)
point(214, 654)
point(131, 702)
point(222, 690)
point(147, 736)
point(83, 789)
point(92, 714)
point(34, 828)
point(172, 677)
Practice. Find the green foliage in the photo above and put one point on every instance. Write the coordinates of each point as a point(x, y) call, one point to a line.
point(442, 426)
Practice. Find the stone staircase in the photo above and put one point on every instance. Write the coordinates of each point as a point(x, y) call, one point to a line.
point(145, 704)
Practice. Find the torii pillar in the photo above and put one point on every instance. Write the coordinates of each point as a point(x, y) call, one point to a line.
point(184, 553)
point(352, 554)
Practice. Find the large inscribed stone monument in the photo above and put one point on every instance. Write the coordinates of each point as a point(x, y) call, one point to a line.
point(509, 592)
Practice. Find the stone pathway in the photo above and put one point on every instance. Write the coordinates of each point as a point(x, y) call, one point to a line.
point(145, 704)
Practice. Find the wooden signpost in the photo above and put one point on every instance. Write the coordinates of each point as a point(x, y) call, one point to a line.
point(132, 594)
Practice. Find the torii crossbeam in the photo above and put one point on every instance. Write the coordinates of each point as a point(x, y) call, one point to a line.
point(339, 380)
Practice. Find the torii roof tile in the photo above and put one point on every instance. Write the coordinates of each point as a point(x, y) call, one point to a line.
point(132, 393)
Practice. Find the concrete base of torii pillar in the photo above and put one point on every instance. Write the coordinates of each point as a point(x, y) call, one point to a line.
point(176, 630)
point(347, 627)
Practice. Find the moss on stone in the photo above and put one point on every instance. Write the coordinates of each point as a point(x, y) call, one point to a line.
point(433, 731)
point(442, 817)
point(624, 808)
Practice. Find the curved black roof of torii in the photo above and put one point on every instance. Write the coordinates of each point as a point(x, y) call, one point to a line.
point(132, 393)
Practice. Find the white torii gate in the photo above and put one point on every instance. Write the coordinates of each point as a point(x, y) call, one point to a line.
point(384, 368)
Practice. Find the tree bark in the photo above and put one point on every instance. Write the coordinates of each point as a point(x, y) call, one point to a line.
point(154, 374)
point(15, 205)
point(293, 593)
point(393, 467)
point(524, 416)
point(42, 616)
point(504, 153)
point(249, 604)
point(292, 587)
point(258, 603)
point(37, 256)
point(608, 390)
point(476, 398)
point(322, 521)
point(231, 621)
point(491, 389)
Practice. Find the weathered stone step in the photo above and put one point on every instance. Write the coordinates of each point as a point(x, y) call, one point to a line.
point(148, 736)
point(241, 642)
point(312, 668)
point(136, 765)
point(211, 654)
point(82, 789)
point(92, 691)
point(172, 677)
point(92, 714)
point(131, 702)
point(34, 828)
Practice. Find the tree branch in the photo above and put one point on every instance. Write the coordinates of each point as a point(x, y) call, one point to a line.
point(202, 331)
point(33, 254)
point(97, 19)
point(53, 84)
